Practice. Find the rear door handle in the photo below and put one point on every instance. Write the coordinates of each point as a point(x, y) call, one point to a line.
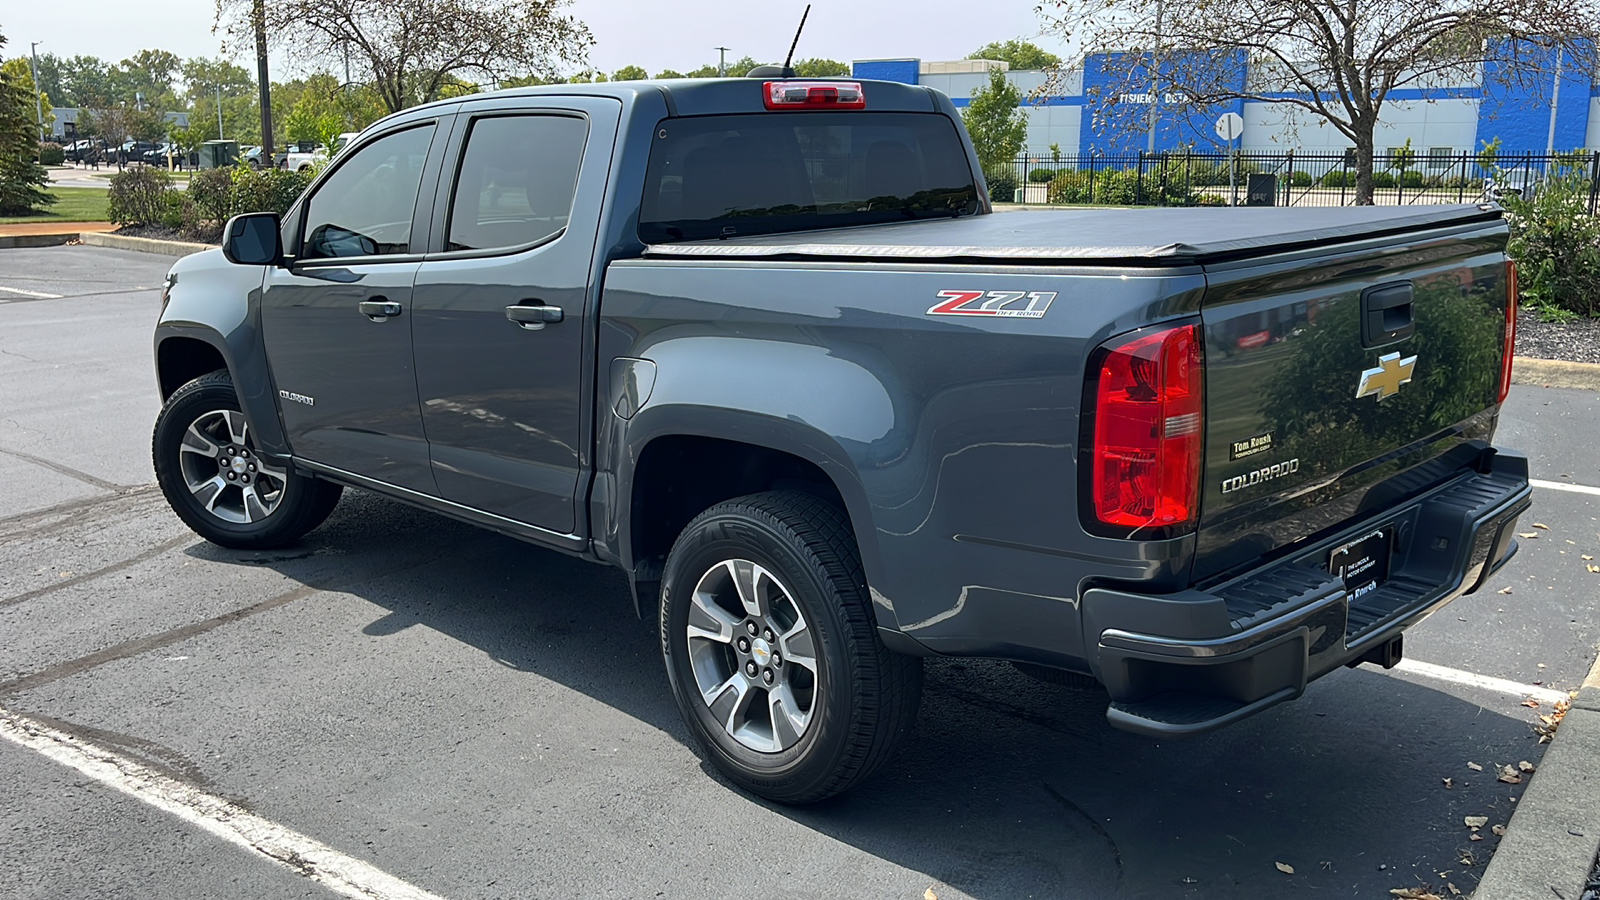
point(534, 318)
point(379, 310)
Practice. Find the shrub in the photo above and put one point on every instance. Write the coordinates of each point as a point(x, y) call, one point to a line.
point(52, 154)
point(173, 206)
point(138, 195)
point(271, 190)
point(1339, 178)
point(1411, 179)
point(1300, 179)
point(1002, 185)
point(1041, 176)
point(211, 193)
point(1381, 180)
point(1121, 187)
point(1069, 186)
point(1556, 244)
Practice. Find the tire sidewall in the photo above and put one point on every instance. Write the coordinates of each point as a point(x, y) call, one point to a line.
point(186, 406)
point(715, 538)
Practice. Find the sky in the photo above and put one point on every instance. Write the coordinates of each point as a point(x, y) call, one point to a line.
point(676, 34)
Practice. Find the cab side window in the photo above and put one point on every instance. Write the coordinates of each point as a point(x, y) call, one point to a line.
point(516, 181)
point(365, 207)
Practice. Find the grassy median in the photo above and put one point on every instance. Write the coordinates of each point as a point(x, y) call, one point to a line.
point(73, 204)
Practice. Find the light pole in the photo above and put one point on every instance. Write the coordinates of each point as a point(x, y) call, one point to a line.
point(722, 61)
point(38, 99)
point(220, 135)
point(1555, 101)
point(1155, 84)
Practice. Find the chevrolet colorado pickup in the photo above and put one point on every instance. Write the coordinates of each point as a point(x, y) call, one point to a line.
point(762, 344)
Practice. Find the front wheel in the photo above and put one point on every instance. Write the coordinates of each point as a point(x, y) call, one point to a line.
point(772, 651)
point(218, 482)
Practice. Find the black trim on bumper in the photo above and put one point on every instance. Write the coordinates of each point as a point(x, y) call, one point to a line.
point(1191, 662)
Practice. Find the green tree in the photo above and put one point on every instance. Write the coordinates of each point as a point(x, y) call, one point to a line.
point(1019, 53)
point(91, 82)
point(17, 70)
point(22, 179)
point(736, 68)
point(630, 73)
point(152, 74)
point(997, 126)
point(670, 73)
point(49, 69)
point(413, 51)
point(820, 68)
point(315, 115)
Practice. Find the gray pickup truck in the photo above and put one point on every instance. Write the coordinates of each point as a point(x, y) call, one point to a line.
point(761, 343)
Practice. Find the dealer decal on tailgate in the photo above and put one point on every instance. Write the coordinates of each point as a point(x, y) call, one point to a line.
point(993, 303)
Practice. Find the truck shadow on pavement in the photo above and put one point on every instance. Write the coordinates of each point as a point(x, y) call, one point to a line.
point(1009, 787)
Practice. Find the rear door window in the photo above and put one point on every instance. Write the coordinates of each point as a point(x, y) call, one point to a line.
point(720, 176)
point(515, 184)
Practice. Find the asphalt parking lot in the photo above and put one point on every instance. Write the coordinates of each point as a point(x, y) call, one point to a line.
point(478, 718)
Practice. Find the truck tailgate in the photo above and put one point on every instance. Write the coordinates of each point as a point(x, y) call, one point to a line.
point(1340, 381)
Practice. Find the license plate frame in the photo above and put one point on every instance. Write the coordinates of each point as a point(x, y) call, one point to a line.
point(1363, 564)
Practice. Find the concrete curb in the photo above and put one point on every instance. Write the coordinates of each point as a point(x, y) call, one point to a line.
point(145, 245)
point(1551, 842)
point(1555, 373)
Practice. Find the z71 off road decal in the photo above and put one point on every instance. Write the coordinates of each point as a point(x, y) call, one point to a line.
point(993, 303)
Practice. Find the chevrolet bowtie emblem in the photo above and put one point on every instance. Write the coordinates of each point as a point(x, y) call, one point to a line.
point(1385, 378)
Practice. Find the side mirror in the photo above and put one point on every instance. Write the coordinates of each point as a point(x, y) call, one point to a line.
point(253, 239)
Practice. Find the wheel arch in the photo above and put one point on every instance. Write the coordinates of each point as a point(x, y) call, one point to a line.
point(681, 460)
point(186, 351)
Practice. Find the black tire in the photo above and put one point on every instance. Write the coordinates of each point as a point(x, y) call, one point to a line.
point(863, 697)
point(286, 504)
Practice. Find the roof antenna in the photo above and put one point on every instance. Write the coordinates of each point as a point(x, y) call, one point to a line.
point(783, 71)
point(790, 58)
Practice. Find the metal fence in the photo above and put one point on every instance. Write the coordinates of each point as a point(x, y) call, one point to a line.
point(1285, 179)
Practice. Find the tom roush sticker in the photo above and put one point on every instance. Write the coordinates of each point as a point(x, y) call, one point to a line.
point(1012, 304)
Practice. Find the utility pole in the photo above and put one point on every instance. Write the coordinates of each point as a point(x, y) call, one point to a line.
point(258, 20)
point(722, 61)
point(220, 135)
point(1155, 84)
point(38, 100)
point(1555, 101)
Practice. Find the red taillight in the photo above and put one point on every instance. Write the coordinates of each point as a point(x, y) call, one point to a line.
point(1511, 329)
point(1148, 431)
point(814, 95)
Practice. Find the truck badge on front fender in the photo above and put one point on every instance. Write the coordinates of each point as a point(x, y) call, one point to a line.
point(993, 303)
point(1385, 378)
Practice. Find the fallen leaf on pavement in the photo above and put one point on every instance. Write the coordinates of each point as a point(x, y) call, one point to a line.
point(1285, 868)
point(1591, 567)
point(1541, 525)
point(1531, 703)
point(1454, 891)
point(1413, 894)
point(1474, 767)
point(1190, 879)
point(1475, 837)
point(1504, 590)
point(1448, 783)
point(929, 895)
point(1499, 830)
point(1526, 766)
point(1587, 556)
point(1527, 534)
point(1476, 822)
point(1509, 775)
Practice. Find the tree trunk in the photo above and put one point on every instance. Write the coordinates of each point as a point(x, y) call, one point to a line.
point(1364, 163)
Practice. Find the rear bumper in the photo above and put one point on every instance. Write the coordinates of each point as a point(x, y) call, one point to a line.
point(1195, 661)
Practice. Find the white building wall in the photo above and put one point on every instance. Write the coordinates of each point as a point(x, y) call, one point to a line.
point(1592, 137)
point(1446, 124)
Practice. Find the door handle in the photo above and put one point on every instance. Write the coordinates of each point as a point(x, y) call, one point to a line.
point(534, 318)
point(379, 310)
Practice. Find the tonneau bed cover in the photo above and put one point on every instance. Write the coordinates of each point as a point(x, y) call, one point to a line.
point(1188, 235)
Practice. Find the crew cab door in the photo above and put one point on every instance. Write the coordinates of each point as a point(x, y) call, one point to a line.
point(337, 320)
point(502, 309)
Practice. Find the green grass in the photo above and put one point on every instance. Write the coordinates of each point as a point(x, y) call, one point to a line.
point(73, 204)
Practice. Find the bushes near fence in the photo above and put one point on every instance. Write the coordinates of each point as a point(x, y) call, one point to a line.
point(1121, 187)
point(52, 154)
point(1556, 243)
point(147, 196)
point(1002, 185)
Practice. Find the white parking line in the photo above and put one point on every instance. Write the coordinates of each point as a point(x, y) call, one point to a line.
point(1563, 486)
point(344, 874)
point(1483, 682)
point(40, 294)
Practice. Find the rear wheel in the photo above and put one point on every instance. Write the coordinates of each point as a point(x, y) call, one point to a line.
point(772, 651)
point(217, 481)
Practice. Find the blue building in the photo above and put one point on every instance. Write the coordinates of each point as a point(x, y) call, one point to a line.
point(1089, 110)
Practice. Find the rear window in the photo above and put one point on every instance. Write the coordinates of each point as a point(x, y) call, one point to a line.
point(721, 176)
